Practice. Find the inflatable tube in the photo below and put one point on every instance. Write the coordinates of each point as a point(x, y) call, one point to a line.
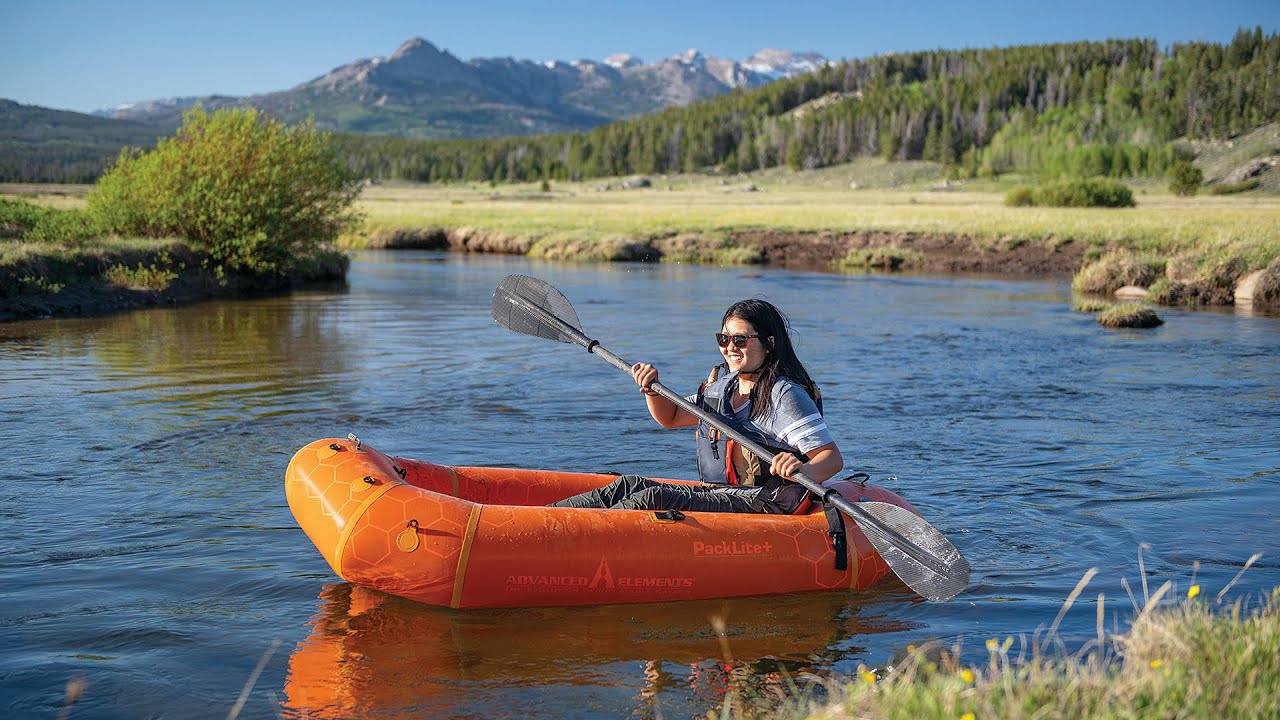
point(477, 537)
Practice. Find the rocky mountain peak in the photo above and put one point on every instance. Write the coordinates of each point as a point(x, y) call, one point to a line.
point(691, 57)
point(623, 60)
point(775, 63)
point(422, 90)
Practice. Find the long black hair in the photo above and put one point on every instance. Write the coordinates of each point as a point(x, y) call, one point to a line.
point(780, 361)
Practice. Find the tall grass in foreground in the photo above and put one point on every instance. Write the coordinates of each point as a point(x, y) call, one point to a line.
point(1197, 658)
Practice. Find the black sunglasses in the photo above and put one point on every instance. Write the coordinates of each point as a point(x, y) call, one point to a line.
point(739, 341)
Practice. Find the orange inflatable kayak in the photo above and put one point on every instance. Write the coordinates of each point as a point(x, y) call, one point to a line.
point(476, 537)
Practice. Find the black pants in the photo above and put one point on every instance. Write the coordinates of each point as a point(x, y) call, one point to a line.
point(632, 492)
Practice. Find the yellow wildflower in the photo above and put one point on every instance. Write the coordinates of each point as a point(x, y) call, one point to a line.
point(1156, 663)
point(966, 716)
point(868, 677)
point(967, 675)
point(992, 644)
point(1193, 591)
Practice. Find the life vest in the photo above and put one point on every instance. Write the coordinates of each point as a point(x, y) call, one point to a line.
point(717, 453)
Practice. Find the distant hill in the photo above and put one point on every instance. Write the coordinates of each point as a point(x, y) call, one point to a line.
point(44, 145)
point(424, 92)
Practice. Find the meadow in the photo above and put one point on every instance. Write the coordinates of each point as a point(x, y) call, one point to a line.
point(889, 198)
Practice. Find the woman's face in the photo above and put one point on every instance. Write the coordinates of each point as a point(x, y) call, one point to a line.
point(746, 359)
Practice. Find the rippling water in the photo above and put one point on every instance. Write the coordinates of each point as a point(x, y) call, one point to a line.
point(149, 552)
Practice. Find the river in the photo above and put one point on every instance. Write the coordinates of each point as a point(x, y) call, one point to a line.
point(151, 565)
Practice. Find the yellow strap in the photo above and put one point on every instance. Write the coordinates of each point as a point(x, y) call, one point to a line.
point(465, 555)
point(351, 524)
point(855, 559)
point(453, 475)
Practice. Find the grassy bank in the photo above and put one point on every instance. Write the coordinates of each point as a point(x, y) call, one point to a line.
point(681, 205)
point(1198, 657)
point(43, 278)
point(869, 215)
point(1188, 662)
point(865, 215)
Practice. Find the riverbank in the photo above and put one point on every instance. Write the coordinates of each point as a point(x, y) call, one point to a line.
point(1208, 250)
point(44, 281)
point(1198, 659)
point(1213, 250)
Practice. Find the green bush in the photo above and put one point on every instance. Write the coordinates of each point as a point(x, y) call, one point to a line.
point(1019, 197)
point(70, 227)
point(255, 194)
point(1089, 192)
point(1185, 179)
point(17, 217)
point(39, 224)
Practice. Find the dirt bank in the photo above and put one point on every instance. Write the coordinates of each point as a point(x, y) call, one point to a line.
point(937, 253)
point(929, 253)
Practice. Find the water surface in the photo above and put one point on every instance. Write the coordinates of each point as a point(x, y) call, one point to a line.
point(150, 554)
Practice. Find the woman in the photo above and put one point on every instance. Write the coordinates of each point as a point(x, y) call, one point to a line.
point(768, 396)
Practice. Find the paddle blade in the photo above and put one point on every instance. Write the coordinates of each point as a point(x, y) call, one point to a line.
point(927, 561)
point(530, 306)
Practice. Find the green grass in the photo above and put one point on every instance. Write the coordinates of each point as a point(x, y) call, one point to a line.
point(880, 258)
point(1239, 224)
point(1129, 315)
point(1196, 657)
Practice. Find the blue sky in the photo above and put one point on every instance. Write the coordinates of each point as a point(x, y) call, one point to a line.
point(89, 55)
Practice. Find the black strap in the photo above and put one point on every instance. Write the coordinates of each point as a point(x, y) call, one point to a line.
point(835, 528)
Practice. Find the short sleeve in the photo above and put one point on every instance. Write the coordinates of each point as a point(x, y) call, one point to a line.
point(797, 421)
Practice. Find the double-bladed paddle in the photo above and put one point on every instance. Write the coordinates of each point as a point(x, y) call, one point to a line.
point(915, 550)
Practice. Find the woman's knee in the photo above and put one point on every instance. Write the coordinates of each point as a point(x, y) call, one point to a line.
point(654, 498)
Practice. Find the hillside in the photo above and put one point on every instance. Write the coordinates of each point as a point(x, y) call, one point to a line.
point(60, 146)
point(1119, 108)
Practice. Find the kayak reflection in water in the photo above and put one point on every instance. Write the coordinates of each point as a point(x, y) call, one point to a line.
point(767, 395)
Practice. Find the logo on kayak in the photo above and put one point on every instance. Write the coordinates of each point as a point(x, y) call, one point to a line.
point(603, 575)
point(731, 547)
point(602, 580)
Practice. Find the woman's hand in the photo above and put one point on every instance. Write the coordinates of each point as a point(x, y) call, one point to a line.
point(785, 465)
point(824, 462)
point(645, 375)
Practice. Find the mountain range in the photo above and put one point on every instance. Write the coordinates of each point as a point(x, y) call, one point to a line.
point(425, 92)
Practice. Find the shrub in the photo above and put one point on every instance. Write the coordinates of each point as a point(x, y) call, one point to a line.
point(1090, 192)
point(255, 194)
point(1185, 179)
point(1019, 197)
point(69, 227)
point(1115, 270)
point(17, 217)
